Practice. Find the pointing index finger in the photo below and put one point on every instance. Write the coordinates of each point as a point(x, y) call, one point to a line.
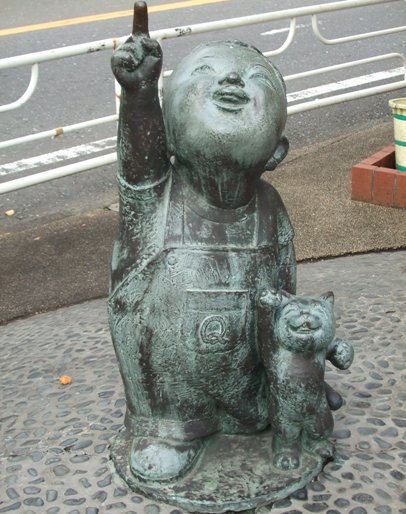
point(140, 21)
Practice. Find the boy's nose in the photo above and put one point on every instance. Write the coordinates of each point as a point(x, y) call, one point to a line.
point(233, 78)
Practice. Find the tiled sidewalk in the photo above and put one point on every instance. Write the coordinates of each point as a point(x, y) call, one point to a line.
point(54, 439)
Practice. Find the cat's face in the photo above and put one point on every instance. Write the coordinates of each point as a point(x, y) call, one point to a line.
point(302, 325)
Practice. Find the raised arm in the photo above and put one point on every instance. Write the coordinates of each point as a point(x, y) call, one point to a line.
point(142, 154)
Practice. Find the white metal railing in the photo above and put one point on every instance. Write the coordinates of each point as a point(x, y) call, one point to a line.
point(35, 59)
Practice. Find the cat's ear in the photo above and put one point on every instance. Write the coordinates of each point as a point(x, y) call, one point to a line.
point(327, 298)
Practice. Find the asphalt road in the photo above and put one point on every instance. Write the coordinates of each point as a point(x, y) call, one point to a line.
point(81, 88)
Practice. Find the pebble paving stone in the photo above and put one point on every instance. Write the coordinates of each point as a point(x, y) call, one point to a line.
point(54, 439)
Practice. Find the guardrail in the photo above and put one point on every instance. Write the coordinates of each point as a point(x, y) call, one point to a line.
point(35, 59)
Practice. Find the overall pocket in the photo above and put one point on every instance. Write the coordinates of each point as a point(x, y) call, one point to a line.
point(215, 321)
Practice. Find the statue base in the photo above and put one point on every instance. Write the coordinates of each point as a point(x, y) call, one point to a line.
point(233, 473)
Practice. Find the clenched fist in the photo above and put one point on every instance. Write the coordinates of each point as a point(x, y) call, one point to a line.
point(138, 62)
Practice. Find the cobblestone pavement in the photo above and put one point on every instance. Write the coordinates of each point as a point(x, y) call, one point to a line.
point(54, 439)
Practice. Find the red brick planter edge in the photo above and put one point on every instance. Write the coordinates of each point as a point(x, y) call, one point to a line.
point(376, 180)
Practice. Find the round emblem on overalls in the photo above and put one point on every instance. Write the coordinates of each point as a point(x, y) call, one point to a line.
point(212, 329)
point(172, 260)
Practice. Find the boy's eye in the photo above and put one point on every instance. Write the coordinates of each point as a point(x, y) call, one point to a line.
point(205, 68)
point(262, 77)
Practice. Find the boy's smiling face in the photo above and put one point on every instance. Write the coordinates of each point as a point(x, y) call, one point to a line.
point(225, 101)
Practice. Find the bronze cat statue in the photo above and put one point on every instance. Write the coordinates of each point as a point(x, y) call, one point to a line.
point(301, 339)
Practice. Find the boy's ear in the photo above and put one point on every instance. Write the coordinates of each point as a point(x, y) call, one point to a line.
point(279, 154)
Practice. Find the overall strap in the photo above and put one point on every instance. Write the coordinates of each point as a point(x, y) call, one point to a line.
point(174, 216)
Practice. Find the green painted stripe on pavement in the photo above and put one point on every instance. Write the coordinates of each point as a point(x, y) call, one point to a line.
point(400, 168)
point(399, 117)
point(400, 143)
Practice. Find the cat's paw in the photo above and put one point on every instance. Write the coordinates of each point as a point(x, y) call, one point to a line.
point(340, 353)
point(286, 459)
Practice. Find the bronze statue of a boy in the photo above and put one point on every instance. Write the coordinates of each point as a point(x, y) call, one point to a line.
point(201, 235)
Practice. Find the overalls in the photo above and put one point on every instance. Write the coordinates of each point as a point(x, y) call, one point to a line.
point(185, 325)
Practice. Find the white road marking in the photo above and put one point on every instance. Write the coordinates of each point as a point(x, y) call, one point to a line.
point(110, 142)
point(344, 84)
point(59, 155)
point(279, 31)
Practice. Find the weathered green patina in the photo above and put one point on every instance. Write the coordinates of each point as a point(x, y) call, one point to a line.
point(301, 337)
point(201, 237)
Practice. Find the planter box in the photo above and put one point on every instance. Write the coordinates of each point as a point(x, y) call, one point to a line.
point(376, 180)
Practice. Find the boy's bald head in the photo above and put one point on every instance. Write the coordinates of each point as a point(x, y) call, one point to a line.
point(225, 100)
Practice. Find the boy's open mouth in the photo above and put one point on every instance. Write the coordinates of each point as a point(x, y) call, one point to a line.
point(230, 98)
